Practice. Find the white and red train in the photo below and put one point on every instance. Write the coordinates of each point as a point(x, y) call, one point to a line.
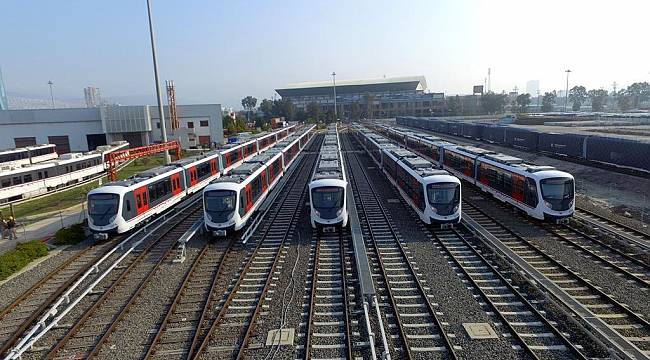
point(230, 201)
point(542, 192)
point(120, 206)
point(45, 171)
point(434, 194)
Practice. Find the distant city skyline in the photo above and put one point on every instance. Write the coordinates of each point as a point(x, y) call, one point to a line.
point(215, 58)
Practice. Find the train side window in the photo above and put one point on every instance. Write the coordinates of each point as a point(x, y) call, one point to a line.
point(40, 175)
point(28, 178)
point(17, 180)
point(128, 205)
point(139, 200)
point(242, 202)
point(6, 182)
point(46, 176)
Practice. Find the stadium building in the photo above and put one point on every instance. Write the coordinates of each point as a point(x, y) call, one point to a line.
point(83, 129)
point(374, 98)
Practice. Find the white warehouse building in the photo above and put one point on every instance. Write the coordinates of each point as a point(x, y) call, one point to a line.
point(83, 129)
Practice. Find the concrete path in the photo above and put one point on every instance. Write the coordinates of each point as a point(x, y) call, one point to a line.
point(45, 226)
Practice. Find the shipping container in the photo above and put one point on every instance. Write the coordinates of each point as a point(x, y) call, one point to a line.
point(494, 134)
point(621, 152)
point(522, 138)
point(562, 144)
point(472, 130)
point(455, 128)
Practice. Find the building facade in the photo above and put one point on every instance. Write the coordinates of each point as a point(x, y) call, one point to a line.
point(92, 96)
point(373, 98)
point(83, 129)
point(532, 87)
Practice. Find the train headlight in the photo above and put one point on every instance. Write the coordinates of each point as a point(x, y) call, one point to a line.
point(209, 217)
point(572, 202)
point(434, 210)
point(339, 212)
point(456, 208)
point(548, 204)
point(112, 219)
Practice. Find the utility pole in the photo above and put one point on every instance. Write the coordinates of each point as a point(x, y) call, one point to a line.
point(334, 82)
point(51, 92)
point(566, 95)
point(489, 80)
point(161, 110)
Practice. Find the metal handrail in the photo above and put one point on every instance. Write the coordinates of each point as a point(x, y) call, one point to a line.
point(51, 315)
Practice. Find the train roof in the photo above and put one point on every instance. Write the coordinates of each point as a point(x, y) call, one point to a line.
point(145, 175)
point(330, 162)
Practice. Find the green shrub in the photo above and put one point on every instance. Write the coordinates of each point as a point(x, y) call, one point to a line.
point(14, 260)
point(69, 235)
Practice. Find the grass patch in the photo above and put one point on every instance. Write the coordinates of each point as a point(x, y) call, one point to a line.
point(69, 235)
point(14, 260)
point(71, 197)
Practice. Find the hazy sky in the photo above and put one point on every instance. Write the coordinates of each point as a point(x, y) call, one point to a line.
point(220, 51)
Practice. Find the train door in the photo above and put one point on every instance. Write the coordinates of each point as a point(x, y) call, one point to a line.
point(194, 178)
point(141, 199)
point(213, 167)
point(249, 197)
point(176, 184)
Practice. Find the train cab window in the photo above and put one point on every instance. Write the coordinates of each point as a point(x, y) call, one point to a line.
point(242, 202)
point(102, 207)
point(444, 197)
point(530, 192)
point(128, 205)
point(327, 201)
point(557, 193)
point(220, 204)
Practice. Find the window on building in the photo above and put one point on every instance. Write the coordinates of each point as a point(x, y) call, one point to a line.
point(204, 123)
point(158, 125)
point(190, 125)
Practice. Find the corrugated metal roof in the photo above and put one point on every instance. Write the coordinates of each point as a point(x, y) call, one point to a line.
point(405, 83)
point(328, 83)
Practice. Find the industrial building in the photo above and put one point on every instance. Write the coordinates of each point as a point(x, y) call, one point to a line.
point(92, 96)
point(376, 98)
point(83, 129)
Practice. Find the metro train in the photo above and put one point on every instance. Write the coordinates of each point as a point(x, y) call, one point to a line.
point(120, 206)
point(542, 192)
point(28, 155)
point(29, 180)
point(616, 151)
point(328, 186)
point(230, 201)
point(433, 193)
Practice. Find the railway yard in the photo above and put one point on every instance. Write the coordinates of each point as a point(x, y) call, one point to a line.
point(497, 285)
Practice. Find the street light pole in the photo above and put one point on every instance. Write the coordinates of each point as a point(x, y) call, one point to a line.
point(334, 81)
point(51, 92)
point(566, 95)
point(161, 111)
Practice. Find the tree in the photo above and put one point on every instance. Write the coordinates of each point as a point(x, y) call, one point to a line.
point(355, 111)
point(493, 103)
point(454, 106)
point(638, 92)
point(248, 103)
point(370, 101)
point(548, 100)
point(523, 101)
point(313, 112)
point(624, 100)
point(266, 106)
point(329, 116)
point(598, 99)
point(284, 108)
point(577, 96)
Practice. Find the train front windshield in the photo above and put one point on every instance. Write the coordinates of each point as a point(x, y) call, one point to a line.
point(558, 193)
point(102, 207)
point(444, 197)
point(327, 201)
point(220, 205)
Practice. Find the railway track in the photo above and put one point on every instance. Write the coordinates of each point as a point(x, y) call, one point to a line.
point(617, 229)
point(329, 334)
point(633, 328)
point(201, 285)
point(410, 319)
point(535, 335)
point(25, 310)
point(83, 330)
point(229, 333)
